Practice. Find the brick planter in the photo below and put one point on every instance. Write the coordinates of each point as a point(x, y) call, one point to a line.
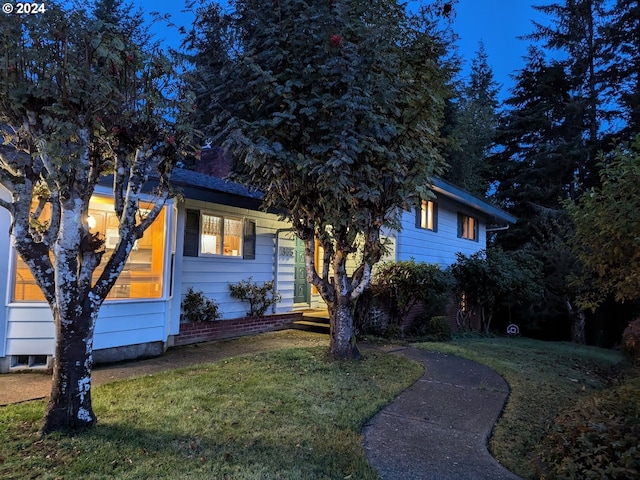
point(206, 331)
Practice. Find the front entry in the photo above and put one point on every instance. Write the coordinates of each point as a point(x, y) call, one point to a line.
point(300, 285)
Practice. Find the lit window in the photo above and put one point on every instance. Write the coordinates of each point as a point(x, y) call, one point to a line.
point(427, 216)
point(467, 227)
point(206, 234)
point(220, 236)
point(142, 275)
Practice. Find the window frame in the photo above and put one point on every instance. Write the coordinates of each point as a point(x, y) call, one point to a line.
point(193, 235)
point(464, 221)
point(223, 220)
point(424, 207)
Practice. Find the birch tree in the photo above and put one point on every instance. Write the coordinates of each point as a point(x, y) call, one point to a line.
point(332, 109)
point(81, 98)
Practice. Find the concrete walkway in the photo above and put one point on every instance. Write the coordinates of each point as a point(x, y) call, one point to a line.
point(436, 429)
point(439, 428)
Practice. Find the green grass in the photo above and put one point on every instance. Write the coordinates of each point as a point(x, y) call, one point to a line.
point(291, 414)
point(545, 378)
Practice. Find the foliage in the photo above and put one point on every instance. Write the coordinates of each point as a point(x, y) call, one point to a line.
point(336, 123)
point(81, 98)
point(196, 307)
point(493, 277)
point(402, 285)
point(630, 346)
point(260, 297)
point(431, 329)
point(545, 379)
point(607, 229)
point(292, 414)
point(598, 437)
point(472, 120)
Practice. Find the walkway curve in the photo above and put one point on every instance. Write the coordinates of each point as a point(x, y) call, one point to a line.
point(439, 428)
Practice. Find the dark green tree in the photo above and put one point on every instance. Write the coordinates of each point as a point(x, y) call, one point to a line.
point(540, 149)
point(81, 98)
point(620, 45)
point(494, 278)
point(471, 129)
point(332, 110)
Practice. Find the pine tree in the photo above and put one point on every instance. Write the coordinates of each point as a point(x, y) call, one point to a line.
point(473, 121)
point(620, 45)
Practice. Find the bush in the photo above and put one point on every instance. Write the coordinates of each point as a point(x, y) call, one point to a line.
point(432, 329)
point(198, 308)
point(598, 438)
point(260, 297)
point(395, 289)
point(631, 342)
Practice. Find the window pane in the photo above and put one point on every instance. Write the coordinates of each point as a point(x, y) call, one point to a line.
point(427, 218)
point(232, 237)
point(142, 275)
point(210, 240)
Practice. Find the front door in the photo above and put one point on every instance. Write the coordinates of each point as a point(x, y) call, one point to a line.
point(300, 285)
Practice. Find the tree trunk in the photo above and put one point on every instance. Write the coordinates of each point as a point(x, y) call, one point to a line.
point(577, 323)
point(343, 341)
point(69, 408)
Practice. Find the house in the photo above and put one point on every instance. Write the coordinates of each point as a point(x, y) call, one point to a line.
point(215, 234)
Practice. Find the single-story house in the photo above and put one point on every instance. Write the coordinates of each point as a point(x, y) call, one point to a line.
point(215, 234)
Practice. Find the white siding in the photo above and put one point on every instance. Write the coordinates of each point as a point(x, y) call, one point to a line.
point(123, 322)
point(441, 246)
point(213, 274)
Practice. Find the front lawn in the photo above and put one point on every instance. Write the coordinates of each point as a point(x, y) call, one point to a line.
point(291, 414)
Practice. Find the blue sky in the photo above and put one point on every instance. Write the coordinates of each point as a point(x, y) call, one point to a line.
point(497, 23)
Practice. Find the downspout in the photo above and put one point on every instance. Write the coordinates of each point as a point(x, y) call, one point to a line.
point(275, 259)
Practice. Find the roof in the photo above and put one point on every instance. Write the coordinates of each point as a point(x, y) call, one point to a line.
point(494, 214)
point(199, 186)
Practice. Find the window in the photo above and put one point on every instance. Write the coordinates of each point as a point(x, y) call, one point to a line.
point(467, 227)
point(142, 276)
point(427, 216)
point(207, 234)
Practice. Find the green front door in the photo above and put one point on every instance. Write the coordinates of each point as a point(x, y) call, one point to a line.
point(300, 285)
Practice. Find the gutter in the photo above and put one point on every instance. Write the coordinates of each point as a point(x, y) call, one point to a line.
point(497, 229)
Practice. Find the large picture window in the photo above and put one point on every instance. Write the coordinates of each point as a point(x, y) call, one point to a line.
point(142, 276)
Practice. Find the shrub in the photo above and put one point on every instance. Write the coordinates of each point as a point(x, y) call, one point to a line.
point(260, 297)
point(598, 438)
point(397, 287)
point(432, 329)
point(198, 308)
point(631, 342)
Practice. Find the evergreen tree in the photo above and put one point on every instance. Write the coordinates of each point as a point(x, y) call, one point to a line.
point(471, 131)
point(539, 152)
point(620, 45)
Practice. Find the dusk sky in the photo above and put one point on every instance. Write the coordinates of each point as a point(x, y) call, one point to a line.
point(497, 23)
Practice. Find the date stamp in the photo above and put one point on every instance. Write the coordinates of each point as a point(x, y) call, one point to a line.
point(23, 8)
